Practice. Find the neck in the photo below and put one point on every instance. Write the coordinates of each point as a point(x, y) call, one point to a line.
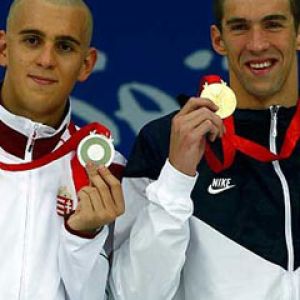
point(285, 95)
point(259, 102)
point(42, 116)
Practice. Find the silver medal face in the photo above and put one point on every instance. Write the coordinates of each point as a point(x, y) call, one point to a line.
point(96, 148)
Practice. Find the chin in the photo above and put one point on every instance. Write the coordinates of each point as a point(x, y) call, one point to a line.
point(263, 94)
point(266, 90)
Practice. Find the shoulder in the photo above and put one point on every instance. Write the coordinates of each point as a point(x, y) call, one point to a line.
point(159, 127)
point(151, 149)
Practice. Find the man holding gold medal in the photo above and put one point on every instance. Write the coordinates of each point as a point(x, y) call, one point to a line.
point(213, 199)
point(56, 201)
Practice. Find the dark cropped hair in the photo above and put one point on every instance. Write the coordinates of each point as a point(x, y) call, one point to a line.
point(218, 11)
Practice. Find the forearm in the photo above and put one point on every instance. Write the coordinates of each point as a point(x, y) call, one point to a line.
point(149, 263)
point(82, 264)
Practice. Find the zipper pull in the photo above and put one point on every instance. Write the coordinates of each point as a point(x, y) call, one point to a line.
point(274, 114)
point(32, 141)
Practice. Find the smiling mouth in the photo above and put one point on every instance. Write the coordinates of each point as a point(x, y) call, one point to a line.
point(261, 67)
point(42, 80)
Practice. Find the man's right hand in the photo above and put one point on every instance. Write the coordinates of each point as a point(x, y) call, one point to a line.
point(100, 203)
point(195, 122)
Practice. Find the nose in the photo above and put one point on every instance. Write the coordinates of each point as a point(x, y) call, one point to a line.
point(46, 57)
point(257, 40)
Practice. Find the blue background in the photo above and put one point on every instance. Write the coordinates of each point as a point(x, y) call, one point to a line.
point(150, 51)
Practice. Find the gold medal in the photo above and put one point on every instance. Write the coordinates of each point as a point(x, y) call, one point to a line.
point(222, 95)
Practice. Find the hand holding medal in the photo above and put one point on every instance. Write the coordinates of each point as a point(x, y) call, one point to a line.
point(217, 91)
point(99, 191)
point(213, 88)
point(193, 125)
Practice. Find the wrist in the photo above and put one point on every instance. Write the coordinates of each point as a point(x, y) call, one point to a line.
point(89, 234)
point(183, 168)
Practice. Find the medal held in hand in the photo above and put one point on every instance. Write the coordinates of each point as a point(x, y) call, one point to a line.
point(222, 95)
point(96, 148)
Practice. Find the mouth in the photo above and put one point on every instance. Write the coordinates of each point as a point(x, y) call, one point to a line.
point(40, 80)
point(261, 67)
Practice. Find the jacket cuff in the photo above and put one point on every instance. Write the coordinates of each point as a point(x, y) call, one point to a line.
point(172, 191)
point(82, 234)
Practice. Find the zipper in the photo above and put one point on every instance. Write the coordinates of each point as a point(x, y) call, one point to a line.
point(287, 200)
point(30, 143)
point(28, 157)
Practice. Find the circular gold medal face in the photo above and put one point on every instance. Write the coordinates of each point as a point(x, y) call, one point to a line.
point(97, 148)
point(223, 96)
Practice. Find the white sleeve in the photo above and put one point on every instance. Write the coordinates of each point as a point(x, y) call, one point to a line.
point(147, 265)
point(84, 265)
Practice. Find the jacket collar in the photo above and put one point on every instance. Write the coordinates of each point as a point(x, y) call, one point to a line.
point(16, 133)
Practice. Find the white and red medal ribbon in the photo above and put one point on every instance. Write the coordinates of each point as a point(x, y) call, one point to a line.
point(231, 142)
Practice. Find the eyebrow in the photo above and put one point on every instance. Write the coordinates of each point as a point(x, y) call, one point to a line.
point(235, 20)
point(275, 17)
point(59, 38)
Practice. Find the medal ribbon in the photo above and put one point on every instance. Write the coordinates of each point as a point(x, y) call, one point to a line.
point(79, 175)
point(231, 142)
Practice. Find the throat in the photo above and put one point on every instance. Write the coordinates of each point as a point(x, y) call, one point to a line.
point(258, 103)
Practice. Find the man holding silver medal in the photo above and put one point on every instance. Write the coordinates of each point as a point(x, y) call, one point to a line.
point(55, 204)
point(212, 204)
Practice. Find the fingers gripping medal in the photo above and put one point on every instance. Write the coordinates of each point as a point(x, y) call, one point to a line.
point(96, 148)
point(222, 95)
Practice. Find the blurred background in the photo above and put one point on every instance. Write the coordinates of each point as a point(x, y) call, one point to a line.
point(149, 52)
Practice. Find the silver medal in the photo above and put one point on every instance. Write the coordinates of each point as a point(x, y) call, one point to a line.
point(96, 148)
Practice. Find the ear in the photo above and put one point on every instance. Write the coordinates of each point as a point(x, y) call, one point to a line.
point(88, 64)
point(298, 38)
point(217, 41)
point(3, 49)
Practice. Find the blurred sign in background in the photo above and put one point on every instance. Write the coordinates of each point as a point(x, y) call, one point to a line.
point(149, 52)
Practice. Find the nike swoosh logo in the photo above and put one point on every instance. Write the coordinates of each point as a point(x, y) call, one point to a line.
point(215, 191)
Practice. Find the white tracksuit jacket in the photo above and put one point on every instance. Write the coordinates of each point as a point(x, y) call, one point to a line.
point(39, 258)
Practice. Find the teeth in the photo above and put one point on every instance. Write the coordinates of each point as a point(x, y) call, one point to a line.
point(264, 65)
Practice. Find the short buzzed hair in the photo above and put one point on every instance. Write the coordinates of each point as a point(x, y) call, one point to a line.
point(78, 3)
point(218, 10)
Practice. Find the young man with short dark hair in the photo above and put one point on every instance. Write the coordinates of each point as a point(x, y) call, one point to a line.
point(213, 206)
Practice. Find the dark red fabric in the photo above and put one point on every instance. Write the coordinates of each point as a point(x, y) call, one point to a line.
point(117, 170)
point(15, 143)
point(12, 141)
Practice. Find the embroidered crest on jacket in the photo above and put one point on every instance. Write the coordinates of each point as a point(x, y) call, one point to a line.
point(64, 205)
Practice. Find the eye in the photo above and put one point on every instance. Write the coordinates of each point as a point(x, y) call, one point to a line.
point(273, 25)
point(65, 47)
point(239, 27)
point(32, 40)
